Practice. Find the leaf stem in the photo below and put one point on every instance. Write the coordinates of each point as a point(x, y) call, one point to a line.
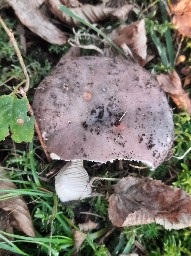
point(23, 93)
point(18, 53)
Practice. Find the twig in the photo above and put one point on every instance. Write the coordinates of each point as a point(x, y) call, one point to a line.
point(76, 42)
point(183, 156)
point(179, 47)
point(101, 178)
point(23, 93)
point(106, 235)
point(18, 53)
point(138, 167)
point(92, 214)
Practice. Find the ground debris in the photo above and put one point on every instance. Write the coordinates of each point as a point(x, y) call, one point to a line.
point(138, 201)
point(171, 84)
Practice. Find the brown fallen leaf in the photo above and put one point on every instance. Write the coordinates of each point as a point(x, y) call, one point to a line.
point(139, 201)
point(31, 16)
point(171, 84)
point(84, 227)
point(88, 12)
point(133, 36)
point(5, 227)
point(181, 16)
point(3, 4)
point(187, 81)
point(79, 237)
point(19, 216)
point(71, 3)
point(4, 222)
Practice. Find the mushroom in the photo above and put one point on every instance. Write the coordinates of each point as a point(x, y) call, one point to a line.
point(72, 182)
point(101, 109)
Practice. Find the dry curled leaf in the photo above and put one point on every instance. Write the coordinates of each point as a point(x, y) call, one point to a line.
point(181, 16)
point(139, 201)
point(133, 36)
point(171, 84)
point(19, 216)
point(3, 4)
point(4, 222)
point(71, 3)
point(88, 226)
point(5, 227)
point(89, 12)
point(79, 237)
point(31, 16)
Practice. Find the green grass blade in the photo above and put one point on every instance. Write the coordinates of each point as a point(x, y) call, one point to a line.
point(32, 163)
point(10, 193)
point(65, 227)
point(54, 239)
point(86, 23)
point(161, 49)
point(11, 247)
point(168, 37)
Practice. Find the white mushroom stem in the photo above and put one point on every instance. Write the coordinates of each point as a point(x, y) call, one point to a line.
point(72, 182)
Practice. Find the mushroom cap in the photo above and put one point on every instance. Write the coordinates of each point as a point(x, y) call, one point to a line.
point(101, 109)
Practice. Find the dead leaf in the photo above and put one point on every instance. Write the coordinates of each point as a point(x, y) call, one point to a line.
point(36, 18)
point(187, 81)
point(133, 36)
point(89, 12)
point(186, 70)
point(4, 222)
point(181, 16)
point(5, 227)
point(88, 226)
point(71, 3)
point(171, 84)
point(19, 216)
point(79, 237)
point(139, 201)
point(31, 16)
point(3, 4)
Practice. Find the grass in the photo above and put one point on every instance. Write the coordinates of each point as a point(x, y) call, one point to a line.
point(27, 167)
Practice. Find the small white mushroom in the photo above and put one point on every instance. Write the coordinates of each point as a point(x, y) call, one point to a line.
point(72, 182)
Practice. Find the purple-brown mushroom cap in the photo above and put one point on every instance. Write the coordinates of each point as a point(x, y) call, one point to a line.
point(101, 109)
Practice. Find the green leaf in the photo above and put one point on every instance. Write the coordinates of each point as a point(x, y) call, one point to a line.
point(14, 119)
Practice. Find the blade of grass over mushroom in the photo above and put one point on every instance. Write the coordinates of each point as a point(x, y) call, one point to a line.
point(86, 23)
point(168, 37)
